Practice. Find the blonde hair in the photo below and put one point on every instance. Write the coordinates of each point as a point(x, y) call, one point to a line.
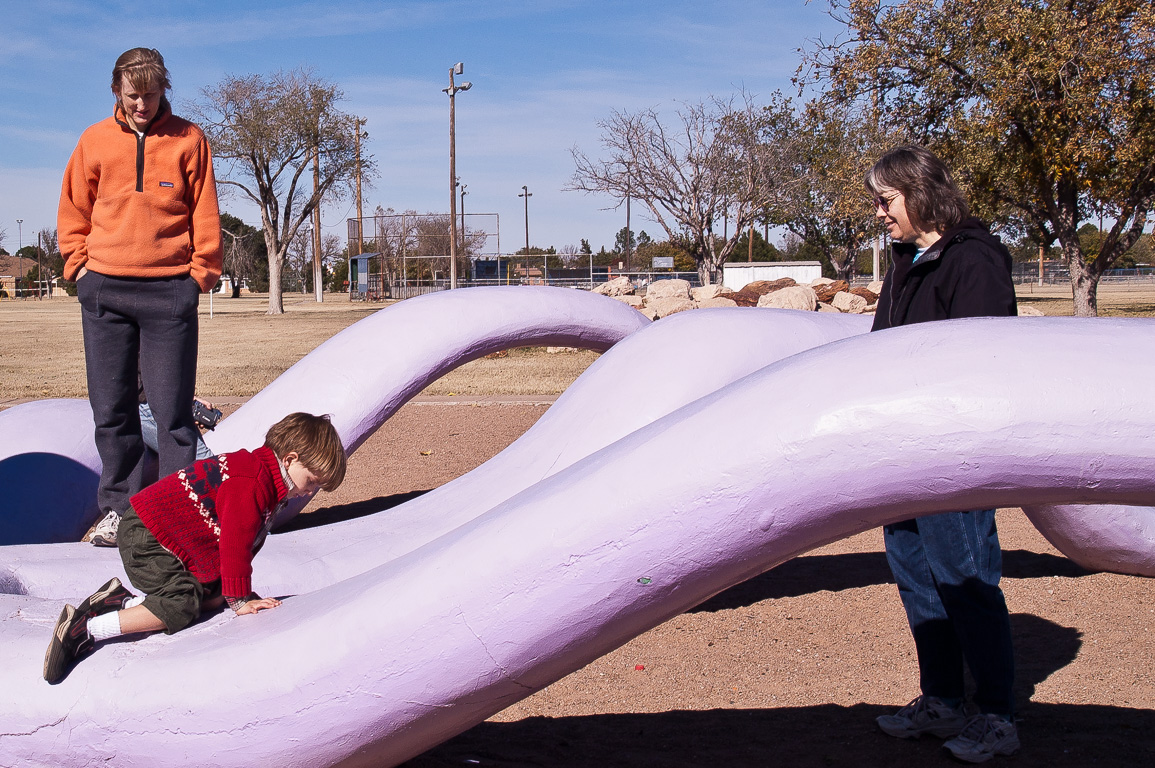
point(315, 441)
point(143, 67)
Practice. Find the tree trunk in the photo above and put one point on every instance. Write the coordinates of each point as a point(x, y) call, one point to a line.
point(276, 304)
point(1084, 286)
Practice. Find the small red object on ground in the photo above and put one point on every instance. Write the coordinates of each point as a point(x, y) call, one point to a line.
point(639, 667)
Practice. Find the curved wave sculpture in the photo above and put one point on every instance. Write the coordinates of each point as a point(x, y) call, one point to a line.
point(1100, 537)
point(375, 668)
point(362, 375)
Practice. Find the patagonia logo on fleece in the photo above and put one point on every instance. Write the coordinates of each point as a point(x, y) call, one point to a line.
point(166, 184)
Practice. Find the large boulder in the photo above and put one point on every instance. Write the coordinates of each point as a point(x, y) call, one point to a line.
point(827, 292)
point(743, 298)
point(763, 287)
point(712, 291)
point(870, 296)
point(634, 301)
point(664, 307)
point(875, 287)
point(795, 297)
point(619, 286)
point(850, 303)
point(667, 289)
point(717, 301)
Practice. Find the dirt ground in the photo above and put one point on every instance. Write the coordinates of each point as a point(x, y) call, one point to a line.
point(792, 667)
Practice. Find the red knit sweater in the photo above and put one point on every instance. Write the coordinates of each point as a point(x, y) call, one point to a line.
point(214, 515)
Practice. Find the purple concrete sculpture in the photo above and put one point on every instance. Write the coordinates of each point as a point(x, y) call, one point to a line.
point(376, 667)
point(1100, 537)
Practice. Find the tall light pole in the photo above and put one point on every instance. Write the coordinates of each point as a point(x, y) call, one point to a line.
point(456, 69)
point(628, 233)
point(20, 240)
point(527, 195)
point(463, 236)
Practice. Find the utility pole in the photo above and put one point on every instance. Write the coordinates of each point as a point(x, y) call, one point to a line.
point(628, 232)
point(20, 247)
point(463, 236)
point(358, 122)
point(317, 225)
point(527, 195)
point(456, 69)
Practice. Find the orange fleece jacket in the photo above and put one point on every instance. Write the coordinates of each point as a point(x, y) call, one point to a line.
point(146, 207)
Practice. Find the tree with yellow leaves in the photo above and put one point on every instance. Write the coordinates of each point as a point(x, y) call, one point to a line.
point(1045, 109)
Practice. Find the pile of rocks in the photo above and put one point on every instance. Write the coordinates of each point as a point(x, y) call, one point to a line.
point(666, 297)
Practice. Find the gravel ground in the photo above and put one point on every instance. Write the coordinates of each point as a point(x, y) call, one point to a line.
point(792, 667)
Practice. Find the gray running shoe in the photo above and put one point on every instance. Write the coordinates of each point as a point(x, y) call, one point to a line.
point(984, 737)
point(104, 534)
point(924, 714)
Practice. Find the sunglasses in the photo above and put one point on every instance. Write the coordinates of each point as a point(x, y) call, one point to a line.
point(885, 202)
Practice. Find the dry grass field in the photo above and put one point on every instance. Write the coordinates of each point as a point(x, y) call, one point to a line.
point(242, 349)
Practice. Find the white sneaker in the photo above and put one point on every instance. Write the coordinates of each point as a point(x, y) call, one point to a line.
point(104, 532)
point(984, 737)
point(923, 715)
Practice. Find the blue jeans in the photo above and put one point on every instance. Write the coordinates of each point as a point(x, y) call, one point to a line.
point(948, 567)
point(148, 433)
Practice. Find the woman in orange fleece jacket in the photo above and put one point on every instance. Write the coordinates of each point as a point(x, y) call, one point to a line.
point(140, 232)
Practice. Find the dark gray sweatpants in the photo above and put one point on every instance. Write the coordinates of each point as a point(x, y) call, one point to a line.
point(153, 320)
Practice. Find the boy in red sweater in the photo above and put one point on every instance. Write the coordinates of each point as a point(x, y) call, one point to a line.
point(188, 541)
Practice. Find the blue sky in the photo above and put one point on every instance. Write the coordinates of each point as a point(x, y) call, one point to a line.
point(544, 73)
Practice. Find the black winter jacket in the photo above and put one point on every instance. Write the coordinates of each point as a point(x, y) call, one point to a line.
point(967, 273)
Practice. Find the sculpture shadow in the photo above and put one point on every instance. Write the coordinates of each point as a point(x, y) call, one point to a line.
point(815, 573)
point(342, 512)
point(47, 483)
point(1054, 735)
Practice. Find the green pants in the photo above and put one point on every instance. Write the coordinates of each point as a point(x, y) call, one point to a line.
point(171, 592)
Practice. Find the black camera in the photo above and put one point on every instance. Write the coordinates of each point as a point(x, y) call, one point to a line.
point(205, 416)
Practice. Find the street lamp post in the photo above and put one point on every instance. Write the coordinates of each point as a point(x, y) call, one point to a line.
point(20, 240)
point(527, 195)
point(463, 235)
point(456, 69)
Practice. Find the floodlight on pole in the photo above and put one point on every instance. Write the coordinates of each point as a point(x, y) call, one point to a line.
point(456, 69)
point(527, 195)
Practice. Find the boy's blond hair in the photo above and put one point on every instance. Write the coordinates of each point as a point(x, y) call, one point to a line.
point(315, 441)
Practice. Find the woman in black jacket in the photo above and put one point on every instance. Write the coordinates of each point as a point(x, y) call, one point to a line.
point(947, 265)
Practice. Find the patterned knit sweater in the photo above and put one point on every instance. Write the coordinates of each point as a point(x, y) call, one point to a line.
point(214, 515)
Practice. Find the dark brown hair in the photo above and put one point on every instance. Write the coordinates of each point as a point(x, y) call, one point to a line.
point(144, 68)
point(933, 202)
point(315, 441)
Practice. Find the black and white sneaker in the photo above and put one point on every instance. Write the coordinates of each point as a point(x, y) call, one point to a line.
point(71, 641)
point(111, 597)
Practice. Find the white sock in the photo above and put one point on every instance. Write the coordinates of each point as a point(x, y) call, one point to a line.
point(105, 626)
point(134, 601)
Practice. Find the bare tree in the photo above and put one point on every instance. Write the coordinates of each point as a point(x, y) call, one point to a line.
point(265, 131)
point(690, 176)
